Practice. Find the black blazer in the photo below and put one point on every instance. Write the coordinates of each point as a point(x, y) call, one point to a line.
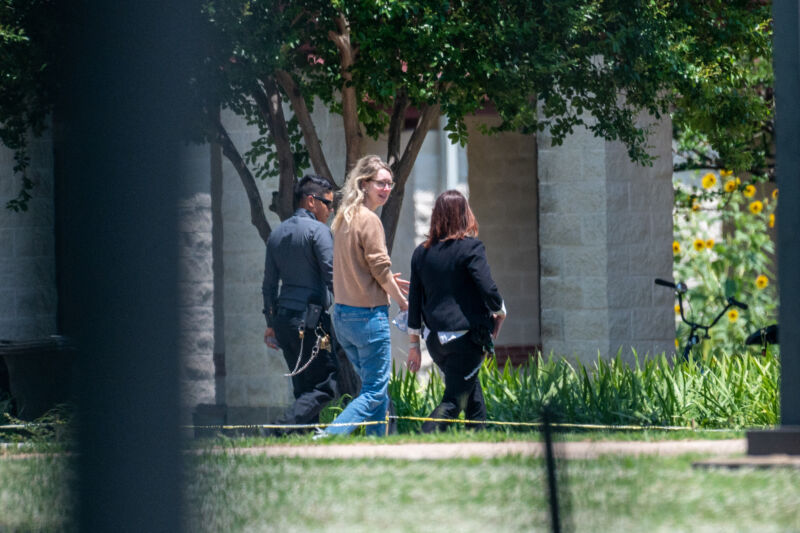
point(451, 287)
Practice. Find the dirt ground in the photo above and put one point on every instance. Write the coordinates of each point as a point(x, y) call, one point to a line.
point(569, 450)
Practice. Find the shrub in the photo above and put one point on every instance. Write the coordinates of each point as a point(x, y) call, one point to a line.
point(735, 262)
point(726, 392)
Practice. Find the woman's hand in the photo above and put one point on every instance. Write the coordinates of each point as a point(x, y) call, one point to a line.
point(498, 323)
point(402, 284)
point(414, 358)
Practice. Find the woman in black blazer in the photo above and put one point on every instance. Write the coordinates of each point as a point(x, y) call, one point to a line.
point(453, 293)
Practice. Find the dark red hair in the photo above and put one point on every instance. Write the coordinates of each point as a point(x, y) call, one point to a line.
point(451, 219)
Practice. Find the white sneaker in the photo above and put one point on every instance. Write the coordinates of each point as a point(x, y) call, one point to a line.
point(320, 434)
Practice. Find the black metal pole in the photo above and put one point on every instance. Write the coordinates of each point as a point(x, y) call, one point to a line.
point(786, 49)
point(786, 16)
point(123, 107)
point(552, 483)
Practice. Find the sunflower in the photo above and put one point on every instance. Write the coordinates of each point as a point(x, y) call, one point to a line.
point(730, 185)
point(761, 282)
point(772, 220)
point(695, 205)
point(733, 315)
point(677, 309)
point(756, 207)
point(699, 244)
point(775, 194)
point(709, 243)
point(709, 180)
point(725, 173)
point(676, 247)
point(749, 191)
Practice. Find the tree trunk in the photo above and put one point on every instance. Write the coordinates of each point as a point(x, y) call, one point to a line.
point(390, 213)
point(396, 127)
point(257, 216)
point(352, 127)
point(269, 105)
point(303, 115)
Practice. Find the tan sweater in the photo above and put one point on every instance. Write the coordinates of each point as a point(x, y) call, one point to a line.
point(361, 263)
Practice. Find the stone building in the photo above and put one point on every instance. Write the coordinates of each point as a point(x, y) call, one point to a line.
point(575, 235)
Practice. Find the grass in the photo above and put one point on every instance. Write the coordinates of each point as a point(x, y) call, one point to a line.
point(255, 493)
point(456, 436)
point(241, 493)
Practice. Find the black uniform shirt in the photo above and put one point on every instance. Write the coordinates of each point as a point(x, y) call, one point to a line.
point(300, 256)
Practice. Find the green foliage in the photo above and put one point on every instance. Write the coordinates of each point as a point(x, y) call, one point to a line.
point(28, 43)
point(724, 112)
point(53, 430)
point(738, 265)
point(729, 392)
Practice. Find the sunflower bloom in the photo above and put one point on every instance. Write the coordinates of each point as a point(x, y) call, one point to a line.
point(775, 194)
point(676, 247)
point(677, 309)
point(733, 315)
point(725, 173)
point(749, 191)
point(699, 244)
point(761, 282)
point(695, 205)
point(756, 207)
point(709, 180)
point(772, 220)
point(709, 243)
point(730, 186)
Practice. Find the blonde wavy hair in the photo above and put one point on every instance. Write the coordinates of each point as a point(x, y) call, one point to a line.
point(352, 193)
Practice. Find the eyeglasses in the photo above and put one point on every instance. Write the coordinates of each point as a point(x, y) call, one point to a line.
point(383, 184)
point(325, 201)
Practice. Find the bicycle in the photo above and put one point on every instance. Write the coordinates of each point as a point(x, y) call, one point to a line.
point(694, 338)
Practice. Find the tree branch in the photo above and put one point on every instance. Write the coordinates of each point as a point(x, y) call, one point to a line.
point(257, 216)
point(269, 105)
point(396, 126)
point(352, 129)
point(390, 213)
point(315, 153)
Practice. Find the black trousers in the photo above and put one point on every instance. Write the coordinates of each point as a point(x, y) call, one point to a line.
point(315, 386)
point(457, 359)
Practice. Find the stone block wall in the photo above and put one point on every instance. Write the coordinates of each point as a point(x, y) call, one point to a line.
point(504, 197)
point(28, 298)
point(605, 234)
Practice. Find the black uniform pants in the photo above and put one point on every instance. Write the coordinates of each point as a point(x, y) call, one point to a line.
point(457, 359)
point(315, 386)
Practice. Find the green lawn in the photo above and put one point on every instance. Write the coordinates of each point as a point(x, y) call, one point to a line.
point(246, 493)
point(255, 493)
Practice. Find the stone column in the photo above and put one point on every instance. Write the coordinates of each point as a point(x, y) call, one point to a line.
point(28, 296)
point(605, 234)
point(504, 197)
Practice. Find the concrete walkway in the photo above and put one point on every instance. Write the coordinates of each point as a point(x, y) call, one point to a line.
point(569, 450)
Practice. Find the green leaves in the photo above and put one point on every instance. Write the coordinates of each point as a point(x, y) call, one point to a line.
point(730, 392)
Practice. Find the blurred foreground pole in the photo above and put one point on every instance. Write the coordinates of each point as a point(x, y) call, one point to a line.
point(122, 109)
point(786, 439)
point(787, 122)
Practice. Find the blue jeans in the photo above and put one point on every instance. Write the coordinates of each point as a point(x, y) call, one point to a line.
point(364, 334)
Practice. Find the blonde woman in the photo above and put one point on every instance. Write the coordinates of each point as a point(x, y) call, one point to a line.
point(362, 285)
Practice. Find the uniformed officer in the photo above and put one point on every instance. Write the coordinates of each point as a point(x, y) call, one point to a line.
point(300, 257)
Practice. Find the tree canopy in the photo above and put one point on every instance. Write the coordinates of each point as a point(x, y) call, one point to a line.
point(27, 79)
point(555, 64)
point(540, 64)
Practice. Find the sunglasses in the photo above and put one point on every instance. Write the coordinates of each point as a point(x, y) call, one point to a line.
point(328, 203)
